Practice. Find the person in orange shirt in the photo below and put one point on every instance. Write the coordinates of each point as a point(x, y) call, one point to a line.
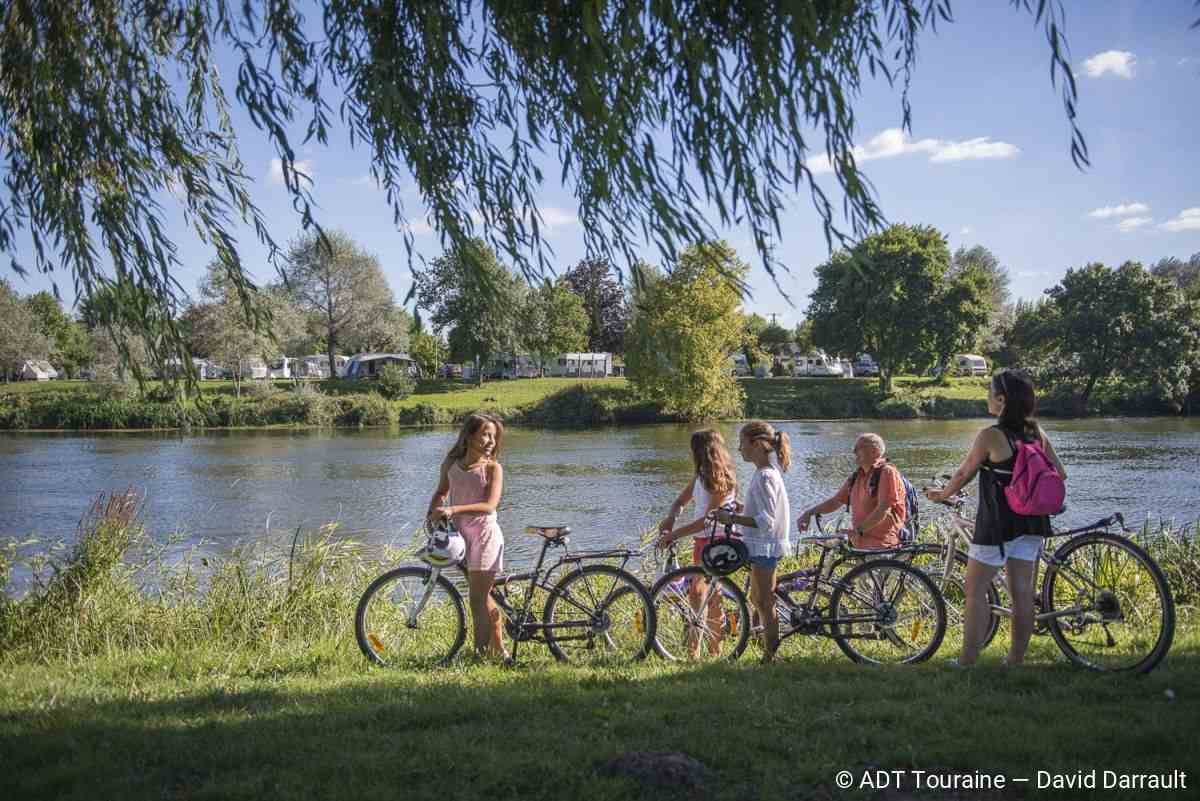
point(877, 505)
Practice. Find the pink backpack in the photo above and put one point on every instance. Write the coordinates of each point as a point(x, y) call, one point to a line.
point(1035, 488)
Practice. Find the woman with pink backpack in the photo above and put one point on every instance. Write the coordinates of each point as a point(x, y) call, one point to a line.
point(1021, 483)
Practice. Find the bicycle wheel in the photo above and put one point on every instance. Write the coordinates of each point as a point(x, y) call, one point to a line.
point(885, 612)
point(699, 618)
point(930, 559)
point(406, 617)
point(599, 613)
point(1108, 603)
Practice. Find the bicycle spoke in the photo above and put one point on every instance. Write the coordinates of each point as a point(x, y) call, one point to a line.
point(887, 613)
point(699, 618)
point(1110, 608)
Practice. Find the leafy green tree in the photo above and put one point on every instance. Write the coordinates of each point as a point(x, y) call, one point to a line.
point(468, 292)
point(753, 326)
point(961, 311)
point(70, 350)
point(554, 321)
point(222, 331)
point(335, 280)
point(773, 337)
point(1124, 322)
point(803, 336)
point(21, 336)
point(680, 341)
point(604, 303)
point(886, 297)
point(1184, 274)
point(111, 108)
point(428, 351)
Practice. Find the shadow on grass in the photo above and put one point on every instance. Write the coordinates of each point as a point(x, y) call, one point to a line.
point(541, 731)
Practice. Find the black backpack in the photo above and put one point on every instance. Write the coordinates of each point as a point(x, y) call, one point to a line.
point(912, 525)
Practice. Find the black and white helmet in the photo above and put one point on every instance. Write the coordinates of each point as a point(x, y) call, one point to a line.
point(446, 547)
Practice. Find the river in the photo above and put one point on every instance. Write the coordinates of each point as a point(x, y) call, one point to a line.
point(223, 487)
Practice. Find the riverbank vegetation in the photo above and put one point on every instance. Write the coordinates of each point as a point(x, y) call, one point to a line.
point(131, 668)
point(542, 402)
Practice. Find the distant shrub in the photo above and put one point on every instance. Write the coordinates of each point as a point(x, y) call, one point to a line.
point(161, 393)
point(394, 382)
point(425, 414)
point(259, 388)
point(365, 410)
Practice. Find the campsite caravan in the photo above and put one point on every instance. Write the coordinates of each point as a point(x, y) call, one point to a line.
point(817, 364)
point(37, 370)
point(369, 365)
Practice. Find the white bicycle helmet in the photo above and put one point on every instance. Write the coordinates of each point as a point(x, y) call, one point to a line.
point(446, 547)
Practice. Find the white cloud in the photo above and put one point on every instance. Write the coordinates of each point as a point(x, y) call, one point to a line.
point(1122, 210)
point(1029, 274)
point(894, 142)
point(966, 229)
point(980, 148)
point(1130, 223)
point(1120, 63)
point(275, 170)
point(553, 217)
point(365, 180)
point(1186, 220)
point(1183, 62)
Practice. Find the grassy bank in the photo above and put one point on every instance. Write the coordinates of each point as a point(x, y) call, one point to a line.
point(547, 402)
point(127, 674)
point(540, 402)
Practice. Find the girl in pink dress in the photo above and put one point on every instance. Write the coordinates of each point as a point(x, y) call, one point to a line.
point(468, 492)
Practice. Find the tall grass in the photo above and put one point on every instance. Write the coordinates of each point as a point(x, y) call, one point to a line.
point(117, 592)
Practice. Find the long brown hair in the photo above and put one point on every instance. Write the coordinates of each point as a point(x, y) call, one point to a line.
point(471, 426)
point(1020, 401)
point(713, 463)
point(777, 440)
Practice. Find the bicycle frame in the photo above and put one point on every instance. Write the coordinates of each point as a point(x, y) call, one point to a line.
point(520, 624)
point(957, 533)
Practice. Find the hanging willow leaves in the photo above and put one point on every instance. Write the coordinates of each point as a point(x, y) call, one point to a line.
point(670, 118)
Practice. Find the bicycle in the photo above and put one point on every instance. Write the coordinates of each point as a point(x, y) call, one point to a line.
point(594, 611)
point(1095, 582)
point(882, 611)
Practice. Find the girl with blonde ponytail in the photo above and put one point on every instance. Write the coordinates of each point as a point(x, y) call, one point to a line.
point(765, 521)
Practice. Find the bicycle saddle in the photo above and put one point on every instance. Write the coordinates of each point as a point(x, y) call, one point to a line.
point(549, 532)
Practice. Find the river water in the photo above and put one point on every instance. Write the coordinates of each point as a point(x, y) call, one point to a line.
point(224, 487)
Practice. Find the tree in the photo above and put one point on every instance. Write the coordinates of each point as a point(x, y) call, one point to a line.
point(111, 108)
point(428, 351)
point(70, 349)
point(335, 280)
point(1124, 322)
point(773, 337)
point(553, 321)
point(752, 326)
point(124, 339)
point(603, 302)
point(221, 330)
point(960, 311)
point(1184, 274)
point(981, 260)
point(469, 292)
point(886, 297)
point(21, 337)
point(680, 342)
point(803, 336)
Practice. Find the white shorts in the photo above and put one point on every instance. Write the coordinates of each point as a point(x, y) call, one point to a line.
point(1025, 548)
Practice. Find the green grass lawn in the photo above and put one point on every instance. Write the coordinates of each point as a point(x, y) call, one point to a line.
point(320, 723)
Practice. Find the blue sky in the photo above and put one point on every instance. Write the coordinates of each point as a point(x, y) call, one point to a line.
point(987, 162)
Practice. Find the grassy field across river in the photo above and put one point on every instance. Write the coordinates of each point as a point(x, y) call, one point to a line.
point(539, 401)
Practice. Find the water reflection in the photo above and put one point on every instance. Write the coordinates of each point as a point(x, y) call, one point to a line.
point(608, 485)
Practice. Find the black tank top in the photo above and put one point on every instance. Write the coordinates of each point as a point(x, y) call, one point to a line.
point(995, 522)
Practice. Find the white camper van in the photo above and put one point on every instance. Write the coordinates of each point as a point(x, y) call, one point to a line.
point(817, 365)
